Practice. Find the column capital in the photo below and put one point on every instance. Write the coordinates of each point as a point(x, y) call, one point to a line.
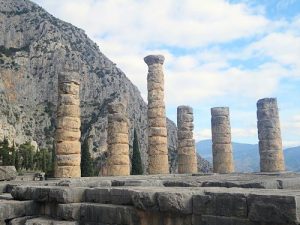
point(154, 59)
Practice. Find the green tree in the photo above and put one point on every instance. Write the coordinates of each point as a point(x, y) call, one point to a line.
point(137, 167)
point(86, 160)
point(26, 151)
point(5, 152)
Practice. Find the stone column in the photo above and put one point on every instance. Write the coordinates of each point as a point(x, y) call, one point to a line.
point(187, 159)
point(117, 141)
point(221, 140)
point(269, 135)
point(68, 148)
point(157, 125)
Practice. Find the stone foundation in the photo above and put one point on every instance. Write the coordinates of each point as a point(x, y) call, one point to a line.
point(252, 199)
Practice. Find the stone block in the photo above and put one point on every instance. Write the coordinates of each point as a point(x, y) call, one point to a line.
point(157, 122)
point(118, 160)
point(224, 138)
point(69, 99)
point(266, 114)
point(221, 204)
point(158, 168)
point(62, 135)
point(155, 86)
point(266, 103)
point(117, 117)
point(156, 94)
point(157, 131)
point(157, 140)
point(116, 107)
point(121, 196)
point(118, 128)
point(11, 209)
point(68, 123)
point(273, 209)
point(118, 138)
point(156, 104)
point(98, 195)
point(108, 214)
point(66, 195)
point(190, 168)
point(156, 112)
point(68, 160)
point(186, 143)
point(118, 170)
point(219, 111)
point(67, 171)
point(222, 148)
point(268, 124)
point(269, 133)
point(270, 144)
point(178, 203)
point(69, 211)
point(220, 122)
point(187, 159)
point(68, 88)
point(158, 159)
point(184, 118)
point(145, 200)
point(68, 110)
point(7, 173)
point(219, 220)
point(186, 150)
point(68, 147)
point(184, 134)
point(118, 149)
point(49, 221)
point(157, 149)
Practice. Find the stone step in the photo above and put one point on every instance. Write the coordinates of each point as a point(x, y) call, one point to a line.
point(49, 221)
point(6, 196)
point(10, 209)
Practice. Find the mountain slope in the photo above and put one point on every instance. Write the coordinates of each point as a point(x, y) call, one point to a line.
point(34, 47)
point(246, 156)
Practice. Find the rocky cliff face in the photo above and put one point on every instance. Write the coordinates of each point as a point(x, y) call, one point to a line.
point(34, 47)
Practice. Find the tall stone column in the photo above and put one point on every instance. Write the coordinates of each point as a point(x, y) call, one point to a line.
point(269, 135)
point(117, 141)
point(221, 140)
point(187, 159)
point(68, 148)
point(157, 124)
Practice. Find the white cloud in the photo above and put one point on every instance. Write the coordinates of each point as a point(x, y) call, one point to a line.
point(191, 35)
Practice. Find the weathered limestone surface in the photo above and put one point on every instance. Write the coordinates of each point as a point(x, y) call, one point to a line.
point(68, 148)
point(7, 173)
point(269, 135)
point(157, 133)
point(221, 139)
point(140, 200)
point(187, 159)
point(118, 140)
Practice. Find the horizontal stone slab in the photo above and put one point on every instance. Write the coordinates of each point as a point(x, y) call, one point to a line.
point(10, 209)
point(49, 221)
point(157, 131)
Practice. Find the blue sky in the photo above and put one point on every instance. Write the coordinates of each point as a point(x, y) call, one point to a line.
point(218, 53)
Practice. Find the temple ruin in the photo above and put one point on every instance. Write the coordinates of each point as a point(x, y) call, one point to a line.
point(117, 141)
point(269, 135)
point(68, 148)
point(221, 140)
point(186, 150)
point(157, 124)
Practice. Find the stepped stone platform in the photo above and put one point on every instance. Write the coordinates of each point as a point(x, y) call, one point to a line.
point(199, 199)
